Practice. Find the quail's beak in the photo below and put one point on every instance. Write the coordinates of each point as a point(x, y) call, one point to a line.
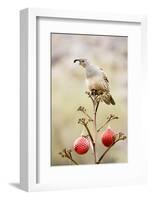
point(76, 60)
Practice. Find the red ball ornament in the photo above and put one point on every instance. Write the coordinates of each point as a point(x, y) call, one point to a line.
point(81, 145)
point(108, 137)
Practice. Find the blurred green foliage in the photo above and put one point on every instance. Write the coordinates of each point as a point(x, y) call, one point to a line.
point(68, 92)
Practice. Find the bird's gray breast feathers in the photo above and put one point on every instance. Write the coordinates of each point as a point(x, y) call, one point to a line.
point(92, 71)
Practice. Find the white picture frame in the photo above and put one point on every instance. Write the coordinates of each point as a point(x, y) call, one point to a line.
point(29, 148)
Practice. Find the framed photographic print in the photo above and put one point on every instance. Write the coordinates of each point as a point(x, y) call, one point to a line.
point(82, 78)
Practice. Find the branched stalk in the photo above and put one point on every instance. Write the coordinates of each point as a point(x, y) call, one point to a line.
point(96, 99)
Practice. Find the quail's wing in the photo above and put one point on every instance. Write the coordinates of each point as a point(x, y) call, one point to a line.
point(104, 76)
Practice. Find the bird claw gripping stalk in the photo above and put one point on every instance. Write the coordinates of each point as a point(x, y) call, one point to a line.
point(82, 143)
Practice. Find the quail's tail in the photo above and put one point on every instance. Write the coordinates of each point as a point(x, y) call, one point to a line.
point(108, 99)
point(112, 100)
point(105, 96)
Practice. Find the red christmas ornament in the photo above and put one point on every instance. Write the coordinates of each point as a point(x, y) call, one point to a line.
point(81, 145)
point(108, 137)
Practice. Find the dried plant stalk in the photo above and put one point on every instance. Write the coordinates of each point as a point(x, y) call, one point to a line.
point(96, 99)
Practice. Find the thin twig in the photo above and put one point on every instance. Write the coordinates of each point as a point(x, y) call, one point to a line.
point(67, 154)
point(100, 159)
point(83, 110)
point(73, 161)
point(90, 119)
point(89, 94)
point(89, 133)
point(121, 136)
point(110, 118)
point(95, 107)
point(84, 123)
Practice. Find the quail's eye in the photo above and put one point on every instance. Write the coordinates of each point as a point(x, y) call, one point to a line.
point(82, 61)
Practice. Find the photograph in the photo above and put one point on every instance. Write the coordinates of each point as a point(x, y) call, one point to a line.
point(89, 99)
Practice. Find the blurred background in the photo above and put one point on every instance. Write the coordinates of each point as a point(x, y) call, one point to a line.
point(68, 92)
